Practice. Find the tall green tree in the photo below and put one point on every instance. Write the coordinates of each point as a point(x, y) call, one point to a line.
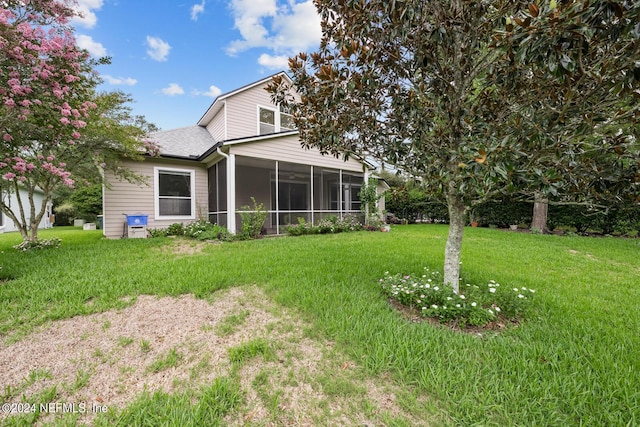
point(441, 89)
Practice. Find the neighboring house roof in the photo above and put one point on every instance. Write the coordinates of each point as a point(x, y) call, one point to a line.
point(219, 101)
point(188, 142)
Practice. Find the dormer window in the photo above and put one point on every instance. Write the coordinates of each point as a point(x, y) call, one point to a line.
point(271, 120)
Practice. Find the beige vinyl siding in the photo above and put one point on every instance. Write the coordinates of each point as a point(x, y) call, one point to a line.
point(217, 126)
point(242, 113)
point(288, 149)
point(127, 198)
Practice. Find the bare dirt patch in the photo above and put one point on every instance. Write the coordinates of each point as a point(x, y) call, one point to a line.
point(175, 344)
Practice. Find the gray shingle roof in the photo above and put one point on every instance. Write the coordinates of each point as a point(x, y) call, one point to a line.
point(189, 141)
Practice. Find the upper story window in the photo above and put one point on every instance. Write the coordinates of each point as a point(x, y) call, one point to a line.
point(286, 119)
point(267, 121)
point(175, 196)
point(271, 120)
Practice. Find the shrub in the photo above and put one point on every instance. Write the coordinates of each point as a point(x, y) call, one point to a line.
point(301, 228)
point(477, 306)
point(157, 232)
point(175, 229)
point(253, 219)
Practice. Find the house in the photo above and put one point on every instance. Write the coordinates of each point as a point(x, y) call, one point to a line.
point(11, 201)
point(243, 147)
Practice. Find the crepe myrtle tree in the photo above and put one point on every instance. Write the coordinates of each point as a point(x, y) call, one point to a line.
point(47, 99)
point(112, 134)
point(417, 84)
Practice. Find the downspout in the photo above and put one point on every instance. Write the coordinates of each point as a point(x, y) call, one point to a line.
point(231, 190)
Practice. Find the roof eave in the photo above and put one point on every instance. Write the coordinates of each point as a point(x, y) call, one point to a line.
point(218, 102)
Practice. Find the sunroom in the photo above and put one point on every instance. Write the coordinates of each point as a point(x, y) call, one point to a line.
point(289, 191)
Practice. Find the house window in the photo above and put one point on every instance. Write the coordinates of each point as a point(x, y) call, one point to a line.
point(286, 119)
point(267, 121)
point(272, 121)
point(174, 193)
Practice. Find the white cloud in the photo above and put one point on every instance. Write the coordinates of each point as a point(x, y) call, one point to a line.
point(196, 10)
point(124, 81)
point(173, 89)
point(274, 62)
point(158, 48)
point(93, 47)
point(249, 17)
point(213, 92)
point(285, 29)
point(88, 18)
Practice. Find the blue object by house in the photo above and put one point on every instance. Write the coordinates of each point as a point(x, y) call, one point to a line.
point(137, 220)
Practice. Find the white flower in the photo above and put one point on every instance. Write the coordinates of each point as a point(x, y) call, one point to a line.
point(473, 304)
point(435, 288)
point(524, 289)
point(532, 291)
point(462, 296)
point(492, 290)
point(489, 310)
point(497, 309)
point(520, 296)
point(458, 305)
point(418, 301)
point(449, 298)
point(434, 306)
point(428, 286)
point(516, 290)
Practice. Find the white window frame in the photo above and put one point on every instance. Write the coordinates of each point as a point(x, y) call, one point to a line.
point(280, 114)
point(276, 119)
point(156, 188)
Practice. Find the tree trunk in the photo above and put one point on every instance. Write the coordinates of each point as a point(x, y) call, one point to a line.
point(454, 241)
point(540, 212)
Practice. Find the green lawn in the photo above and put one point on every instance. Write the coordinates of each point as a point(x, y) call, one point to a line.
point(574, 361)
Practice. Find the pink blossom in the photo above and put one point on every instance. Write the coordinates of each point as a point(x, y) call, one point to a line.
point(65, 121)
point(7, 137)
point(50, 158)
point(9, 175)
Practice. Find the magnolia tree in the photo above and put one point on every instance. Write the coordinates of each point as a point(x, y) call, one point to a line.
point(442, 89)
point(52, 123)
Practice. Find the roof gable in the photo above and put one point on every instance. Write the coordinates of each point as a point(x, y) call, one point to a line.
point(219, 101)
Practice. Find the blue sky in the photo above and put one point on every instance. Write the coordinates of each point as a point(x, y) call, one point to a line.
point(174, 57)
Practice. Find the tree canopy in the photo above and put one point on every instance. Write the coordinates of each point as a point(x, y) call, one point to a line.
point(56, 129)
point(478, 98)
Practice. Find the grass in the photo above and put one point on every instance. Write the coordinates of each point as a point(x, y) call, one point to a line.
point(573, 362)
point(167, 361)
